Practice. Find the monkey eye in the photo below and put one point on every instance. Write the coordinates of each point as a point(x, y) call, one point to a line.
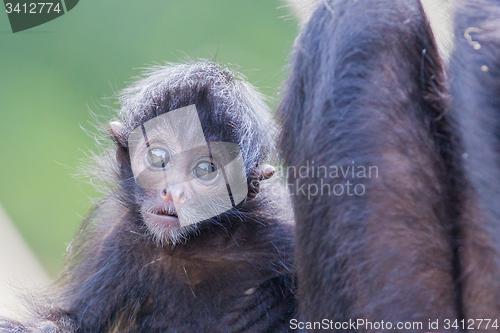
point(158, 158)
point(205, 171)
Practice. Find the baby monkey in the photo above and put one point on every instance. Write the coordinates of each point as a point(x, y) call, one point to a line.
point(193, 234)
point(196, 179)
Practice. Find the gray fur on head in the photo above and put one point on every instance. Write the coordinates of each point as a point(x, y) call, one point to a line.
point(220, 93)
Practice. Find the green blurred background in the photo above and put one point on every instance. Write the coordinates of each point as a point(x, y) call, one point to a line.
point(53, 74)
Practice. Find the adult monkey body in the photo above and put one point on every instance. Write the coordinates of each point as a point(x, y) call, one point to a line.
point(367, 88)
point(134, 269)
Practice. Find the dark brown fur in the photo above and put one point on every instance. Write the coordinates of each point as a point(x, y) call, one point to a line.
point(367, 88)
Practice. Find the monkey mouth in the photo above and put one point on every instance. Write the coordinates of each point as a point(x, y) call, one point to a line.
point(162, 218)
point(167, 212)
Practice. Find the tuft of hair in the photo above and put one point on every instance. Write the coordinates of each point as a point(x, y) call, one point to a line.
point(231, 100)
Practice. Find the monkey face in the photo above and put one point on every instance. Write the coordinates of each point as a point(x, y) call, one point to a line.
point(185, 180)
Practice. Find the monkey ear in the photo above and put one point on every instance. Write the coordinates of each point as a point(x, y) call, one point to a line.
point(264, 171)
point(117, 131)
point(260, 172)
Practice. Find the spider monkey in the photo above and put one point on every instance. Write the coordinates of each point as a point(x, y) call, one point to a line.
point(193, 235)
point(419, 241)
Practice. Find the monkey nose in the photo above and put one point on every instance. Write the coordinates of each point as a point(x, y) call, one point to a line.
point(176, 195)
point(165, 195)
point(181, 197)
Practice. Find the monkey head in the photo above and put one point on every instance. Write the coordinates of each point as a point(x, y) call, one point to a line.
point(193, 150)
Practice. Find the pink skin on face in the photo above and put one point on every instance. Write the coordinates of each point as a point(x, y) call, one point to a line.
point(163, 217)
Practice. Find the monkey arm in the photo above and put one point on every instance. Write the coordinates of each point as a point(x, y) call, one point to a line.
point(89, 292)
point(367, 91)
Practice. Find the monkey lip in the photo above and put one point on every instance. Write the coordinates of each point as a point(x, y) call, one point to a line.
point(167, 212)
point(165, 216)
